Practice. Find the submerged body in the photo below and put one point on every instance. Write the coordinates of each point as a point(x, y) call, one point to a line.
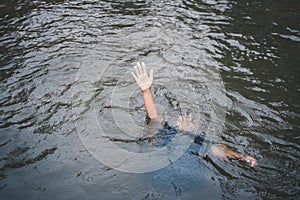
point(184, 122)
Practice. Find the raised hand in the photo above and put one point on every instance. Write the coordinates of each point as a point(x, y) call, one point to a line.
point(141, 77)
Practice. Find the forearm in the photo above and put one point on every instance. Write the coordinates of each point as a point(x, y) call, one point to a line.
point(150, 104)
point(221, 150)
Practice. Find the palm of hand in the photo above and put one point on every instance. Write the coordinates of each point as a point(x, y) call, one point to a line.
point(141, 77)
point(144, 82)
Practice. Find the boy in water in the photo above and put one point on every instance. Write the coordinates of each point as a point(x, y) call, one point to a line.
point(184, 122)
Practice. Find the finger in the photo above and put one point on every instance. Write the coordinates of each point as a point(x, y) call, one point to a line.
point(253, 162)
point(179, 121)
point(190, 117)
point(144, 67)
point(184, 117)
point(134, 76)
point(139, 68)
point(151, 74)
point(137, 71)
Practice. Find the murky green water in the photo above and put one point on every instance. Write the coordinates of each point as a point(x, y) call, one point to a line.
point(54, 51)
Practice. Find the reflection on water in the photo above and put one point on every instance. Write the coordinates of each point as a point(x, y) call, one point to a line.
point(253, 44)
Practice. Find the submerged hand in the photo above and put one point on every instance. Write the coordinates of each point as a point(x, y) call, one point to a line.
point(250, 160)
point(141, 77)
point(185, 122)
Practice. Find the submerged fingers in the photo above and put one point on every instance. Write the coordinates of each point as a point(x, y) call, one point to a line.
point(190, 117)
point(179, 120)
point(187, 117)
point(252, 161)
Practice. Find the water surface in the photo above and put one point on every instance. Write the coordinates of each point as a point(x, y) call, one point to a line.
point(253, 46)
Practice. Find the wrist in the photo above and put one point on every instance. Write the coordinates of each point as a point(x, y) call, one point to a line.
point(146, 90)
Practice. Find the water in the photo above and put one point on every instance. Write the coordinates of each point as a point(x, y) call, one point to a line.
point(49, 47)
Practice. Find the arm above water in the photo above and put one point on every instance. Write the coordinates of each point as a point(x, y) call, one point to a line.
point(145, 82)
point(150, 105)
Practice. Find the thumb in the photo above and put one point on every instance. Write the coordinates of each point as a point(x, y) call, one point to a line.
point(134, 76)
